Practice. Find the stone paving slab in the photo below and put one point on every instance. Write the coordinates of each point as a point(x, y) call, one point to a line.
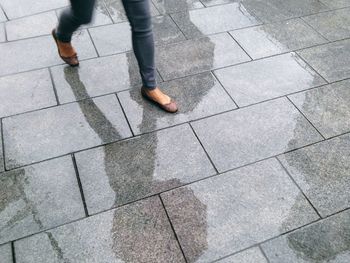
point(26, 92)
point(157, 162)
point(322, 172)
point(198, 55)
point(2, 168)
point(117, 12)
point(19, 8)
point(116, 38)
point(139, 232)
point(45, 134)
point(6, 254)
point(327, 107)
point(330, 60)
point(40, 52)
point(170, 6)
point(324, 241)
point(212, 20)
point(252, 255)
point(336, 3)
point(232, 211)
point(333, 25)
point(276, 38)
point(2, 16)
point(276, 10)
point(2, 32)
point(97, 77)
point(268, 78)
point(38, 197)
point(198, 96)
point(31, 26)
point(250, 134)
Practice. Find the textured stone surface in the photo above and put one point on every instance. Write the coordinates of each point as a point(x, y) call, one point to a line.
point(60, 130)
point(276, 38)
point(39, 52)
point(325, 241)
point(330, 60)
point(226, 213)
point(198, 96)
point(116, 38)
point(322, 172)
point(199, 55)
point(26, 92)
point(252, 255)
point(267, 78)
point(333, 25)
point(2, 32)
point(327, 107)
point(6, 254)
point(117, 12)
point(142, 166)
point(19, 8)
point(336, 3)
point(247, 135)
point(139, 232)
point(212, 20)
point(170, 6)
point(31, 26)
point(38, 197)
point(2, 16)
point(96, 77)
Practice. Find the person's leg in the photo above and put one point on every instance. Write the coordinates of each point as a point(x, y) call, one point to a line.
point(139, 16)
point(138, 13)
point(80, 12)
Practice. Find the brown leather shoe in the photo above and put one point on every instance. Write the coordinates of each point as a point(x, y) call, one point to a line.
point(72, 60)
point(169, 107)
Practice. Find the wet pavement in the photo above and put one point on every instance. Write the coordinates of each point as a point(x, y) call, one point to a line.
point(254, 168)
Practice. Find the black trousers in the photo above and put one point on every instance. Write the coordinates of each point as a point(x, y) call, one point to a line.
point(138, 13)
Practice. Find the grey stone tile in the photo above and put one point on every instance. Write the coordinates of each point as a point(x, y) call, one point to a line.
point(336, 3)
point(19, 8)
point(117, 12)
point(44, 134)
point(198, 96)
point(276, 38)
point(333, 25)
point(198, 55)
point(38, 197)
point(328, 107)
point(2, 32)
point(6, 254)
point(116, 38)
point(219, 2)
point(247, 135)
point(252, 255)
point(39, 52)
point(268, 78)
point(276, 10)
point(100, 17)
point(139, 232)
point(330, 60)
point(96, 77)
point(170, 6)
point(152, 160)
point(2, 16)
point(2, 168)
point(25, 92)
point(324, 241)
point(322, 172)
point(212, 20)
point(224, 214)
point(31, 26)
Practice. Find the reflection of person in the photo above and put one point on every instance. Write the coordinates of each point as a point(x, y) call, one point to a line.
point(138, 13)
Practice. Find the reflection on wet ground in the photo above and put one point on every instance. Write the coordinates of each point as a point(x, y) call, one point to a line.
point(254, 103)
